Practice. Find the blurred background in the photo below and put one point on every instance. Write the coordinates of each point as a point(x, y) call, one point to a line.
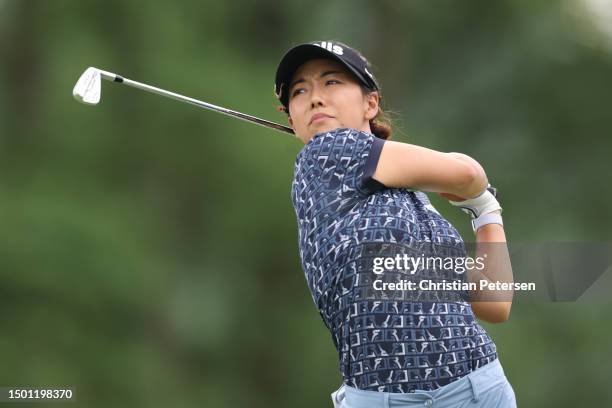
point(148, 254)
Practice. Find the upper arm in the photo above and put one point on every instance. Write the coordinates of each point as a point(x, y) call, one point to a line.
point(403, 165)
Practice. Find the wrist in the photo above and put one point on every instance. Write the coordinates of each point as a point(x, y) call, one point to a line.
point(492, 218)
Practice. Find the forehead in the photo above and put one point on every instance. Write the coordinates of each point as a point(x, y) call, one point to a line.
point(316, 67)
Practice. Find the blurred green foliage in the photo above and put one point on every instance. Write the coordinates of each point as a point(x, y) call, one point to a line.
point(149, 249)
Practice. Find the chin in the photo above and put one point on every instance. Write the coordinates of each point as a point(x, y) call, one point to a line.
point(325, 127)
point(321, 128)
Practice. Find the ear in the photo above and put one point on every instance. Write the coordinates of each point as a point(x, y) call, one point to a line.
point(290, 122)
point(372, 101)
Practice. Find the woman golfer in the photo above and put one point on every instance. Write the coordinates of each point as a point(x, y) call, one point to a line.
point(357, 197)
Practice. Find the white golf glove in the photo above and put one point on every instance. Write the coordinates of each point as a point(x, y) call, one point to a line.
point(485, 203)
point(480, 208)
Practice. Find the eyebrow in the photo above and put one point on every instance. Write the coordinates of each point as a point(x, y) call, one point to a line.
point(297, 81)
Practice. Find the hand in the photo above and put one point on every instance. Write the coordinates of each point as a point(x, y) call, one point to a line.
point(485, 203)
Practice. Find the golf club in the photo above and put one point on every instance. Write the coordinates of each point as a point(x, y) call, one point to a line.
point(88, 90)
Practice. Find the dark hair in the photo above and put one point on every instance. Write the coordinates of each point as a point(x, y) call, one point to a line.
point(380, 125)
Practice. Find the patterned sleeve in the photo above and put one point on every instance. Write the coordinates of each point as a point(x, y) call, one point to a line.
point(345, 160)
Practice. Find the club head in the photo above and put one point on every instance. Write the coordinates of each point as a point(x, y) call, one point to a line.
point(89, 87)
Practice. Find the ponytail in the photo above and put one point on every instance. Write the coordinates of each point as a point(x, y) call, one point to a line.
point(381, 125)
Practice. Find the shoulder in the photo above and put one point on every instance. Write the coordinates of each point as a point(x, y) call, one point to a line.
point(335, 148)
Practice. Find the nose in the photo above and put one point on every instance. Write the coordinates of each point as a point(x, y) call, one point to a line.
point(316, 99)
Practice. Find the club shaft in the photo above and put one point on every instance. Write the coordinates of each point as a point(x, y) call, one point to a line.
point(109, 76)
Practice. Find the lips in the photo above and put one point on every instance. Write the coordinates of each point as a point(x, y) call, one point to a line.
point(318, 116)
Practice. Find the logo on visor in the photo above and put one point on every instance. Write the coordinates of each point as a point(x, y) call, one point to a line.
point(329, 46)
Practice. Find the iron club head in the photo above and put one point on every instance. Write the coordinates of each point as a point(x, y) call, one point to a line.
point(89, 87)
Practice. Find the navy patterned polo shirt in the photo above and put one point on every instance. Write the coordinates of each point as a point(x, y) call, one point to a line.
point(383, 344)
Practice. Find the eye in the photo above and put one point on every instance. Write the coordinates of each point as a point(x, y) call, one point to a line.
point(296, 92)
point(332, 81)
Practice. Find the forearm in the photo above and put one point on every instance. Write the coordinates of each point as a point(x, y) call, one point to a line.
point(489, 305)
point(490, 246)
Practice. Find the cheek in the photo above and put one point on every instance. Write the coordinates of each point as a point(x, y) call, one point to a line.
point(353, 108)
point(297, 113)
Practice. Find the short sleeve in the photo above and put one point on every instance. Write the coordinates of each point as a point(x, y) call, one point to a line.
point(344, 159)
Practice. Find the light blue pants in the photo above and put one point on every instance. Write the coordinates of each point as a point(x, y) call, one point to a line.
point(485, 387)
